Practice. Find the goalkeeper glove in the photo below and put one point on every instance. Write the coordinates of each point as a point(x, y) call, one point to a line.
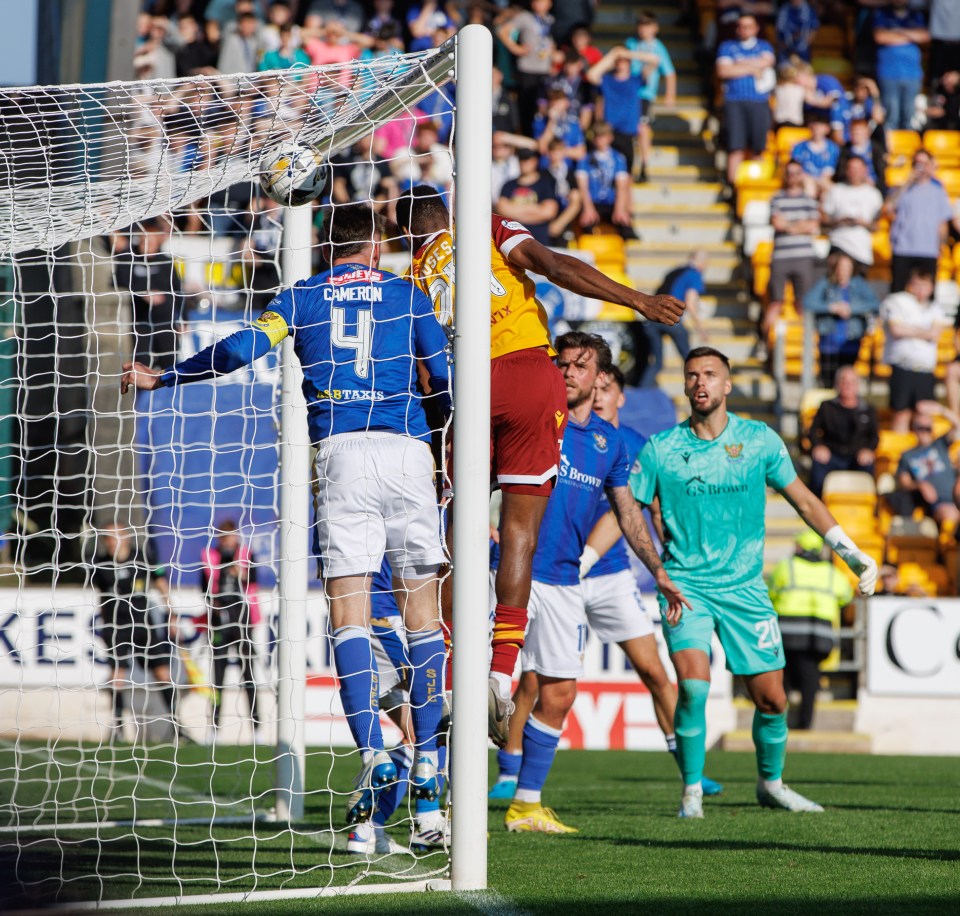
point(588, 559)
point(860, 564)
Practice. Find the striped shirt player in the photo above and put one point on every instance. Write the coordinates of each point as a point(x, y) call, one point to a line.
point(358, 332)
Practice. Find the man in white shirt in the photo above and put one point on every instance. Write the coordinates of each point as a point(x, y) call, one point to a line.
point(850, 210)
point(912, 325)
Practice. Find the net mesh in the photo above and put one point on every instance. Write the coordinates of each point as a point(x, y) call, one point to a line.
point(132, 226)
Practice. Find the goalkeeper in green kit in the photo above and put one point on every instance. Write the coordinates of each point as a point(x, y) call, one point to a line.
point(705, 481)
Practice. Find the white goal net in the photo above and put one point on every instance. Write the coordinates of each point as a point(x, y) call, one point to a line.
point(143, 644)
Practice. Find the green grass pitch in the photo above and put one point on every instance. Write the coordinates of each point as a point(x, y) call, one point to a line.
point(889, 841)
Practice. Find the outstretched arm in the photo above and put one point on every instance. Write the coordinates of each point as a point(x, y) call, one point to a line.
point(819, 517)
point(634, 529)
point(579, 277)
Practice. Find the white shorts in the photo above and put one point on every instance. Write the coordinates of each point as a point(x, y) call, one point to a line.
point(615, 609)
point(374, 494)
point(556, 631)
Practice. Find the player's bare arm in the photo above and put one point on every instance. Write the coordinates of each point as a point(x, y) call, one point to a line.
point(634, 529)
point(818, 516)
point(581, 278)
point(605, 534)
point(137, 375)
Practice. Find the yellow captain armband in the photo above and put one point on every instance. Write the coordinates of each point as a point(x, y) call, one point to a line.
point(273, 325)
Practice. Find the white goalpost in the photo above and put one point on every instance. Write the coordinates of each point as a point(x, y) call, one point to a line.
point(207, 758)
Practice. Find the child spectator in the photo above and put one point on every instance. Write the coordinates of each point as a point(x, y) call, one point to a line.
point(582, 42)
point(647, 41)
point(604, 182)
point(559, 123)
point(278, 15)
point(572, 80)
point(383, 16)
point(195, 56)
point(790, 94)
point(818, 156)
point(329, 42)
point(899, 32)
point(869, 149)
point(620, 92)
point(568, 194)
point(797, 26)
point(863, 104)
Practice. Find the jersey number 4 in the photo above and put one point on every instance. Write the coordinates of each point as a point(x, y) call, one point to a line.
point(361, 342)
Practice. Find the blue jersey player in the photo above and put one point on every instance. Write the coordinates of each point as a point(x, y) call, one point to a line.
point(706, 483)
point(594, 461)
point(358, 332)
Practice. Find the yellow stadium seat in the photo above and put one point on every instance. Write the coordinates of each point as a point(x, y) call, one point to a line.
point(912, 541)
point(950, 179)
point(810, 402)
point(932, 579)
point(748, 193)
point(882, 252)
point(892, 445)
point(609, 250)
point(837, 66)
point(896, 175)
point(943, 145)
point(902, 143)
point(754, 171)
point(788, 138)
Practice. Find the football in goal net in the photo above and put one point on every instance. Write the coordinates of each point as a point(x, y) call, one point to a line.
point(216, 386)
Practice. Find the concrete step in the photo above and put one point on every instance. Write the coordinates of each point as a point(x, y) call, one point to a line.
point(688, 172)
point(692, 232)
point(691, 194)
point(814, 742)
point(665, 156)
point(724, 324)
point(724, 251)
point(682, 120)
point(717, 212)
point(650, 268)
point(829, 715)
point(682, 138)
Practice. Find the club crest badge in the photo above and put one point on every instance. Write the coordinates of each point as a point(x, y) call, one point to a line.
point(600, 442)
point(734, 452)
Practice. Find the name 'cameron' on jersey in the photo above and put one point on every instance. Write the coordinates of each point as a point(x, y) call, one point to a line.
point(356, 333)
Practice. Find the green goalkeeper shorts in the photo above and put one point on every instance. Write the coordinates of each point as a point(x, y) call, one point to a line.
point(743, 618)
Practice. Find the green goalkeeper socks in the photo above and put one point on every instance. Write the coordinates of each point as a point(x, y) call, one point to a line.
point(770, 740)
point(690, 725)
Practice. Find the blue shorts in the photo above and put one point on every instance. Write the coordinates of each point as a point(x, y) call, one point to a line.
point(743, 619)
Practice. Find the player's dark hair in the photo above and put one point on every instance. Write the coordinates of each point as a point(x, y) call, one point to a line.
point(701, 352)
point(350, 228)
point(616, 373)
point(421, 211)
point(581, 340)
